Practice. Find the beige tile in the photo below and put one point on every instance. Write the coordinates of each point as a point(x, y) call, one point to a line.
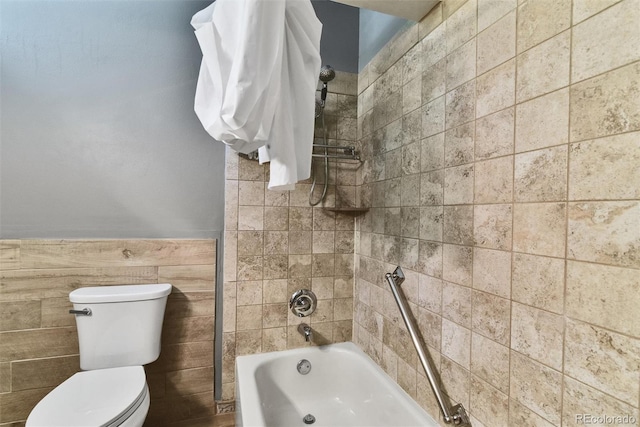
point(275, 266)
point(431, 188)
point(431, 223)
point(491, 316)
point(433, 117)
point(494, 134)
point(458, 224)
point(274, 339)
point(229, 307)
point(539, 228)
point(276, 242)
point(489, 11)
point(495, 89)
point(456, 379)
point(494, 180)
point(497, 43)
point(250, 268)
point(541, 175)
point(605, 232)
point(189, 381)
point(608, 40)
point(249, 317)
point(5, 377)
point(492, 226)
point(461, 65)
point(543, 121)
point(432, 153)
point(276, 218)
point(430, 258)
point(520, 415)
point(411, 99)
point(587, 8)
point(250, 242)
point(544, 68)
point(41, 373)
point(603, 295)
point(433, 47)
point(274, 315)
point(606, 104)
point(248, 342)
point(490, 361)
point(275, 198)
point(538, 281)
point(605, 168)
point(458, 185)
point(9, 254)
point(250, 218)
point(488, 404)
point(537, 334)
point(456, 304)
point(458, 145)
point(603, 359)
point(457, 263)
point(433, 81)
point(188, 329)
point(17, 406)
point(492, 271)
point(15, 315)
point(460, 105)
point(251, 193)
point(461, 25)
point(580, 400)
point(249, 293)
point(38, 343)
point(536, 387)
point(541, 19)
point(247, 170)
point(456, 343)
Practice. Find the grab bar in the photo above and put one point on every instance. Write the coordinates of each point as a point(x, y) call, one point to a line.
point(457, 414)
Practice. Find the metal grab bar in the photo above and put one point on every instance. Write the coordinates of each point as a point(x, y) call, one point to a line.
point(457, 414)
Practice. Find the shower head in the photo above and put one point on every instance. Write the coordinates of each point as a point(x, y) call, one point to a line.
point(327, 73)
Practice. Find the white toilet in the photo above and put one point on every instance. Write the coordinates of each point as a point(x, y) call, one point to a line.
point(119, 330)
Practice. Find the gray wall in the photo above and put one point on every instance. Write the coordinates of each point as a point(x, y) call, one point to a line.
point(376, 29)
point(97, 132)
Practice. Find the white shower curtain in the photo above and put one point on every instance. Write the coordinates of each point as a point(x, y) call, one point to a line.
point(257, 82)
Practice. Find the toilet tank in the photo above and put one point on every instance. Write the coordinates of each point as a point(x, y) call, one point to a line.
point(124, 326)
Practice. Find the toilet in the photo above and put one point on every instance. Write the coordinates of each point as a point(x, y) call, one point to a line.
point(119, 330)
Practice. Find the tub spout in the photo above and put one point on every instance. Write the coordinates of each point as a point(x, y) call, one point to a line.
point(306, 331)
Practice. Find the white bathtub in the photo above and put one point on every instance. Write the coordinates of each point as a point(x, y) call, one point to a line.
point(344, 388)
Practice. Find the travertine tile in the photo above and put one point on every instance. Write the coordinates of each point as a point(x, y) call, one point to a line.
point(581, 401)
point(249, 293)
point(491, 316)
point(430, 326)
point(411, 158)
point(542, 122)
point(458, 185)
point(497, 43)
point(432, 153)
point(432, 188)
point(250, 268)
point(605, 168)
point(520, 415)
point(544, 68)
point(433, 47)
point(492, 271)
point(456, 379)
point(605, 232)
point(490, 361)
point(603, 359)
point(606, 104)
point(410, 222)
point(537, 334)
point(430, 293)
point(456, 304)
point(539, 228)
point(587, 8)
point(605, 41)
point(457, 263)
point(538, 281)
point(251, 193)
point(250, 242)
point(496, 89)
point(461, 25)
point(541, 175)
point(411, 99)
point(250, 218)
point(458, 225)
point(494, 180)
point(489, 11)
point(540, 20)
point(461, 65)
point(276, 218)
point(604, 295)
point(492, 226)
point(459, 144)
point(536, 387)
point(456, 343)
point(460, 105)
point(409, 196)
point(433, 117)
point(488, 404)
point(407, 378)
point(433, 81)
point(494, 134)
point(276, 242)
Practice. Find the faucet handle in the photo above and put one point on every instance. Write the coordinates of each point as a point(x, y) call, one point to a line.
point(303, 302)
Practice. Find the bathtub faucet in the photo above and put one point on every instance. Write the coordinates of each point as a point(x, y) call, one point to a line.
point(305, 330)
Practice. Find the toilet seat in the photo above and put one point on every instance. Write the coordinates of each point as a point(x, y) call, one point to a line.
point(99, 398)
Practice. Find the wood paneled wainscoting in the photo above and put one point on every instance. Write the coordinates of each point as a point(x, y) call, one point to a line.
point(38, 340)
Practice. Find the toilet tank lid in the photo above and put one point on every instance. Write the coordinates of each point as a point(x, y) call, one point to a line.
point(120, 293)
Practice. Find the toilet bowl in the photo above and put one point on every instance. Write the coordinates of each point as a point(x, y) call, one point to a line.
point(119, 329)
point(115, 397)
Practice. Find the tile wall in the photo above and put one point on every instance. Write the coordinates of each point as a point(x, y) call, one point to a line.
point(502, 169)
point(276, 243)
point(38, 338)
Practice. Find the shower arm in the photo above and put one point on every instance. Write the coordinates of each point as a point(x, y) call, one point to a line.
point(457, 414)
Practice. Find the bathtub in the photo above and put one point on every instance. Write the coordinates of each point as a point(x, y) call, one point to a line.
point(343, 388)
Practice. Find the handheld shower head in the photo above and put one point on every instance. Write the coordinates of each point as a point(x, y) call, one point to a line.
point(327, 73)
